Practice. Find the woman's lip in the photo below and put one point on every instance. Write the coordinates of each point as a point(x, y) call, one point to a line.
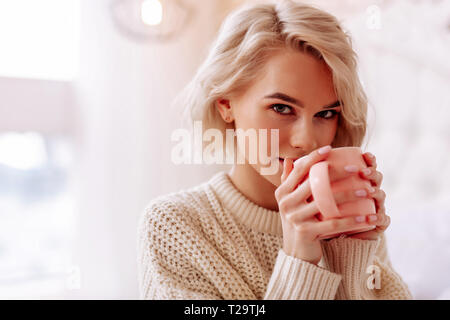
point(282, 159)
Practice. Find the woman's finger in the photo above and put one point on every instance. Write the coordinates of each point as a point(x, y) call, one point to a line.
point(379, 196)
point(340, 225)
point(371, 174)
point(287, 169)
point(301, 168)
point(382, 223)
point(306, 212)
point(370, 159)
point(298, 196)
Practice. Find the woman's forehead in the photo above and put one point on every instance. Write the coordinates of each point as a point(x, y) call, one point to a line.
point(292, 65)
point(295, 74)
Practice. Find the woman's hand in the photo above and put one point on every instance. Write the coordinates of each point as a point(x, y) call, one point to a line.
point(375, 177)
point(301, 228)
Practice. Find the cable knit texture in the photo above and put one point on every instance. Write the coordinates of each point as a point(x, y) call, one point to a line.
point(211, 242)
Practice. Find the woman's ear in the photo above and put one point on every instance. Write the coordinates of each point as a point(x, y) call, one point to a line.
point(224, 108)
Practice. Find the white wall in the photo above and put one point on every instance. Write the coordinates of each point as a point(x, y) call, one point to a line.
point(403, 49)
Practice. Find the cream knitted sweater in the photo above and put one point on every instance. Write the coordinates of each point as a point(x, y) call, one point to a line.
point(211, 242)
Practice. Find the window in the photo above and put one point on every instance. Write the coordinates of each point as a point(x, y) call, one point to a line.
point(39, 39)
point(36, 215)
point(39, 51)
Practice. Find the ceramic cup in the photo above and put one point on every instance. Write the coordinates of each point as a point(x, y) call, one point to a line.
point(329, 177)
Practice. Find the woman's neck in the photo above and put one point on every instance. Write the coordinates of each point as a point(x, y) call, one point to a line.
point(257, 189)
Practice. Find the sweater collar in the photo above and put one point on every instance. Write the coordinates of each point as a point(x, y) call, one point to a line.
point(243, 209)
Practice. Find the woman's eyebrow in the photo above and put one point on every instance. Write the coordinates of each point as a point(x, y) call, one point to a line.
point(285, 97)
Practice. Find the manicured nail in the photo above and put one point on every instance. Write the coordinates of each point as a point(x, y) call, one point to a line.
point(361, 193)
point(325, 149)
point(351, 168)
point(373, 218)
point(360, 218)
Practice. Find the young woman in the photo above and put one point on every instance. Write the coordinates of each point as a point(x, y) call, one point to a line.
point(243, 235)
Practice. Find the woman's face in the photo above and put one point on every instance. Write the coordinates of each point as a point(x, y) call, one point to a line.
point(295, 94)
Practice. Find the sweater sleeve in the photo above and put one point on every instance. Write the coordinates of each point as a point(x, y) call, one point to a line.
point(295, 279)
point(366, 270)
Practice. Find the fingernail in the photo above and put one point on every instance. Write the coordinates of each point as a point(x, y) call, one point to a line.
point(361, 193)
point(325, 149)
point(373, 218)
point(371, 189)
point(360, 218)
point(370, 155)
point(351, 168)
point(366, 171)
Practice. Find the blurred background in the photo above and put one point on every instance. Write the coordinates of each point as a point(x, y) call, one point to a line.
point(85, 133)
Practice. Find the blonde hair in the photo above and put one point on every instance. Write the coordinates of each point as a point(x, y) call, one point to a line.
point(244, 42)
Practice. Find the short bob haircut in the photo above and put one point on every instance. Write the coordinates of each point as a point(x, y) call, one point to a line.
point(244, 42)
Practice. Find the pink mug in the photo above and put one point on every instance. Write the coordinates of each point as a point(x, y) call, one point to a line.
point(329, 177)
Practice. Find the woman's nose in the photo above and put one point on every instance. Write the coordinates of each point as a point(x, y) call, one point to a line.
point(303, 137)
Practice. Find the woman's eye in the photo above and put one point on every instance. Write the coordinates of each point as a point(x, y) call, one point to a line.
point(279, 108)
point(286, 110)
point(329, 114)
